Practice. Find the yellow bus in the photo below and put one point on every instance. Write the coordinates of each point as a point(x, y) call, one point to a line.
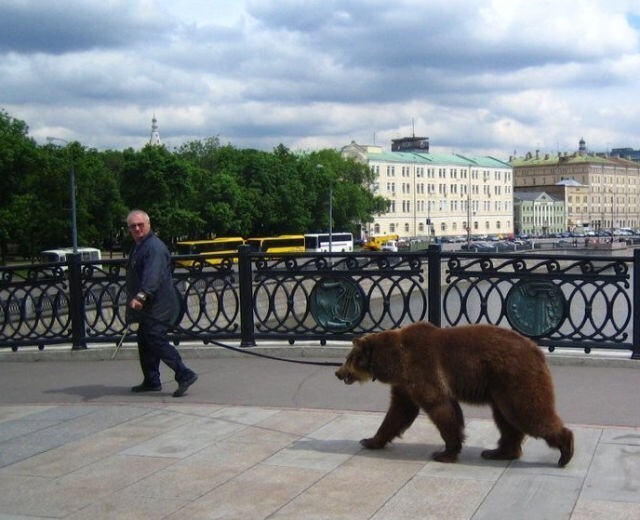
point(211, 250)
point(275, 245)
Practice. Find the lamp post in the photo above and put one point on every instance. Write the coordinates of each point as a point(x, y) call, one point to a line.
point(469, 208)
point(72, 188)
point(76, 305)
point(330, 216)
point(319, 167)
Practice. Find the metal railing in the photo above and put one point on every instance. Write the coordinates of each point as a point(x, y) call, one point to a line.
point(579, 301)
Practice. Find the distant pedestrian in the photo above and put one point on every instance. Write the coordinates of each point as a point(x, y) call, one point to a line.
point(155, 305)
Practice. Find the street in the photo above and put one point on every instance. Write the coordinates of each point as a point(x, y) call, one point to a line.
point(593, 394)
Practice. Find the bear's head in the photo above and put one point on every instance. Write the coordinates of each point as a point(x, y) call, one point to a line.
point(372, 357)
point(357, 365)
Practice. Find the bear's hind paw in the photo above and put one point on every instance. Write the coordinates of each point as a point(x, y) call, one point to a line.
point(445, 456)
point(500, 454)
point(371, 444)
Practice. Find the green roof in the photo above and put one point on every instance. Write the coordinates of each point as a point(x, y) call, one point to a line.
point(554, 159)
point(441, 159)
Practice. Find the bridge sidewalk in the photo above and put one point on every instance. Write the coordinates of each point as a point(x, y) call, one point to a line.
point(259, 439)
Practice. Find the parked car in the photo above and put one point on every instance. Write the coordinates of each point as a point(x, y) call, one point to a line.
point(479, 247)
point(390, 246)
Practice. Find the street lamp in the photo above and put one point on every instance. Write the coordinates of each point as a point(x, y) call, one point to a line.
point(72, 188)
point(469, 174)
point(330, 216)
point(319, 168)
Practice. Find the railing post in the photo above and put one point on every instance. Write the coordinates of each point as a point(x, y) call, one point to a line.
point(434, 281)
point(76, 303)
point(245, 276)
point(635, 299)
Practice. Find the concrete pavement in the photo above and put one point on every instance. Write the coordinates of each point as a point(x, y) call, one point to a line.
point(263, 439)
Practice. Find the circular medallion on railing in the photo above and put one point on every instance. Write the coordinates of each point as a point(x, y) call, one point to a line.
point(535, 307)
point(337, 304)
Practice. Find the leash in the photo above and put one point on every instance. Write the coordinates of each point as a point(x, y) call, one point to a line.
point(194, 335)
point(266, 356)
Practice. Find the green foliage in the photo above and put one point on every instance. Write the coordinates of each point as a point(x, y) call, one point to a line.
point(18, 159)
point(199, 190)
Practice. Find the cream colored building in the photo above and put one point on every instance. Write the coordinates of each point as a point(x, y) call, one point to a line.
point(599, 192)
point(538, 213)
point(438, 194)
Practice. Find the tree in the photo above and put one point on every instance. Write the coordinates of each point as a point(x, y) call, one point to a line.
point(18, 158)
point(200, 190)
point(160, 183)
point(201, 153)
point(353, 203)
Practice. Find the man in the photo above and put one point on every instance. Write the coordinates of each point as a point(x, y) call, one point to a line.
point(155, 304)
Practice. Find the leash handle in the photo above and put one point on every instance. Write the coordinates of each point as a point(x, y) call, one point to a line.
point(124, 335)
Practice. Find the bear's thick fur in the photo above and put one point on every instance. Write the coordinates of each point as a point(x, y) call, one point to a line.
point(434, 368)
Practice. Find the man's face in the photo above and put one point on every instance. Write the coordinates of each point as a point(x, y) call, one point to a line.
point(138, 227)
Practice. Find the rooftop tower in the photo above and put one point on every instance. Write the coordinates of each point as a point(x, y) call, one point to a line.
point(155, 135)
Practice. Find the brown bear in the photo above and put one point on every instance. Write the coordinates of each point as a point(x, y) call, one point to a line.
point(434, 368)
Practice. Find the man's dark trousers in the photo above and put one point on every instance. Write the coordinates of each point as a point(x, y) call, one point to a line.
point(153, 347)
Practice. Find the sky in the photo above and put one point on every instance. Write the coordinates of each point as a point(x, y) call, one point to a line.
point(486, 77)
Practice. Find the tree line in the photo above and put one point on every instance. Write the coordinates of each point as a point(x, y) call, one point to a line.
point(200, 189)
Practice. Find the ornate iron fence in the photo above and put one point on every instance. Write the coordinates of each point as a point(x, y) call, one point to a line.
point(576, 301)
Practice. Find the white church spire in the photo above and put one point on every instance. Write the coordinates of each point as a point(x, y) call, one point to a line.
point(155, 135)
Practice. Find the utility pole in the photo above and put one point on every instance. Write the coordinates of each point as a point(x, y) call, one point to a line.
point(72, 189)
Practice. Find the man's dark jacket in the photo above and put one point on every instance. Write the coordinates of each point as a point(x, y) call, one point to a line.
point(149, 271)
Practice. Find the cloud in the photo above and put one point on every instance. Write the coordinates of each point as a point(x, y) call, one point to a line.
point(477, 77)
point(76, 25)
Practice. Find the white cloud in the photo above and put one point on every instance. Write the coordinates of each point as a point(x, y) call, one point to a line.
point(480, 77)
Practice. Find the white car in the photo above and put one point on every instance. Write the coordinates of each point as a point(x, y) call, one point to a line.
point(390, 246)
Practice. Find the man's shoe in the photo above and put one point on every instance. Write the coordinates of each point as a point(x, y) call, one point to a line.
point(144, 387)
point(182, 387)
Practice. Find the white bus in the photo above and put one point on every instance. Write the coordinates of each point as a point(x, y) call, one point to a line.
point(319, 242)
point(87, 254)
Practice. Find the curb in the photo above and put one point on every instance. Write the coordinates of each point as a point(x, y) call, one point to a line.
point(192, 350)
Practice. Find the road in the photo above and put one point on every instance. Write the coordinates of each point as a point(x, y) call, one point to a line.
point(592, 394)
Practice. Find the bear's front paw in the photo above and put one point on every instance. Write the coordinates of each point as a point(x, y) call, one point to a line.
point(371, 444)
point(445, 456)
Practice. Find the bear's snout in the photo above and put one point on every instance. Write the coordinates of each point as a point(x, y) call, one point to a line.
point(344, 375)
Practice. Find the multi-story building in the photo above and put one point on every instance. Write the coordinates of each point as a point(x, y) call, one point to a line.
point(538, 213)
point(599, 191)
point(438, 194)
point(626, 153)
